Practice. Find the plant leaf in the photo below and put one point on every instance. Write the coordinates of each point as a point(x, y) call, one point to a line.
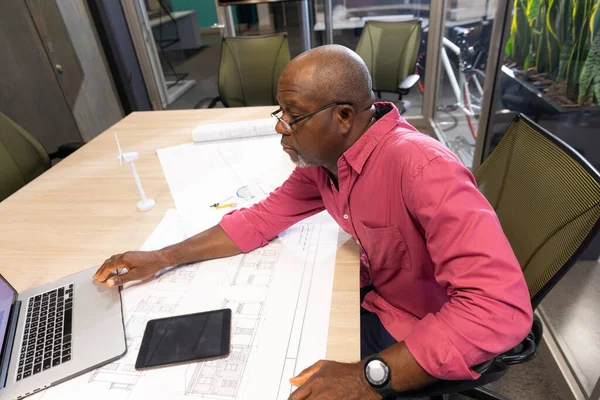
point(520, 34)
point(508, 50)
point(582, 11)
point(528, 62)
point(551, 41)
point(564, 59)
point(589, 82)
point(533, 11)
point(595, 20)
point(563, 20)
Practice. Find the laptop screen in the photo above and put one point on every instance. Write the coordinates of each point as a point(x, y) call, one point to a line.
point(7, 298)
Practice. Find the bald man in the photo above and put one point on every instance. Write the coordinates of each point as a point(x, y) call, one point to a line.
point(442, 290)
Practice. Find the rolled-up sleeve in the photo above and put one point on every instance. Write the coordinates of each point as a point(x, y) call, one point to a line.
point(296, 199)
point(489, 310)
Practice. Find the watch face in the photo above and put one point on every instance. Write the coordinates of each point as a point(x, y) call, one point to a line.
point(376, 372)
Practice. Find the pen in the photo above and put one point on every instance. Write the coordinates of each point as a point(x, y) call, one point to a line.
point(218, 205)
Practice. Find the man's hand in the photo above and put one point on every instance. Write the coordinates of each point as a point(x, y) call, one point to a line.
point(329, 380)
point(139, 264)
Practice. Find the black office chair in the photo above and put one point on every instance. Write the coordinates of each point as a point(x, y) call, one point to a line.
point(547, 198)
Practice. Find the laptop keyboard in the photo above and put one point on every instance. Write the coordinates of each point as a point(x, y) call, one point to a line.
point(46, 339)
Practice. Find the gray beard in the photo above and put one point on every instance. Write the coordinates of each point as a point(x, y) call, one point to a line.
point(300, 163)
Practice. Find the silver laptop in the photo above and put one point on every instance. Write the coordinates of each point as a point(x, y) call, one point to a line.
point(56, 331)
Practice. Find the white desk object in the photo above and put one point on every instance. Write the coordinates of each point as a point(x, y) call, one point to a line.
point(145, 203)
point(234, 130)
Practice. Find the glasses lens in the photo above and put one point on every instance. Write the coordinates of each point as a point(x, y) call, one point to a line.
point(280, 119)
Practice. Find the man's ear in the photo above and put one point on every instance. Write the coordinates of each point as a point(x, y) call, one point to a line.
point(345, 116)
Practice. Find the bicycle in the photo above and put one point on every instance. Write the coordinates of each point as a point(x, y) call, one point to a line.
point(469, 52)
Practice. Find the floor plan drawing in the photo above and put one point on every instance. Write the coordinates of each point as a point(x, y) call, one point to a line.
point(256, 267)
point(221, 379)
point(118, 376)
point(182, 275)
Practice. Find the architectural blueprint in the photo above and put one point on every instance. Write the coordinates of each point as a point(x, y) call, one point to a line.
point(280, 294)
point(201, 174)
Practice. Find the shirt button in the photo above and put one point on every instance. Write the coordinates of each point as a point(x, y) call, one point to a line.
point(345, 216)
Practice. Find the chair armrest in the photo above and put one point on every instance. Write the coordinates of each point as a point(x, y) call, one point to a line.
point(408, 83)
point(526, 351)
point(490, 370)
point(66, 150)
point(207, 102)
point(403, 106)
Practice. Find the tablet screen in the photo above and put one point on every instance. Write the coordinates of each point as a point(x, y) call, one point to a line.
point(185, 338)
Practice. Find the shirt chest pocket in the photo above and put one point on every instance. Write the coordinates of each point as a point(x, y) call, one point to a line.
point(384, 247)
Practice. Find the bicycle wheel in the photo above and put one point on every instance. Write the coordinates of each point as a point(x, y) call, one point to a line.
point(473, 96)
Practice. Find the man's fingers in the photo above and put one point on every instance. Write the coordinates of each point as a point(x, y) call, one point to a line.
point(107, 269)
point(132, 274)
point(305, 375)
point(301, 393)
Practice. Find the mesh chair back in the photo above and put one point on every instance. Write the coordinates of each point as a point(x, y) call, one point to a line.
point(390, 51)
point(250, 69)
point(547, 198)
point(22, 158)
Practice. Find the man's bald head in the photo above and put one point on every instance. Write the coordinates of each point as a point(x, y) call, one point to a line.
point(332, 73)
point(307, 91)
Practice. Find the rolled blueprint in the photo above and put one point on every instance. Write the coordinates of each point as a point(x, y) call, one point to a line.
point(234, 130)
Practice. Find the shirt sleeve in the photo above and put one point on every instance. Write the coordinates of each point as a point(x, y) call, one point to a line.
point(298, 198)
point(489, 310)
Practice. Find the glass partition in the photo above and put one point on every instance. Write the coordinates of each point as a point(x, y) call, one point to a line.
point(348, 21)
point(464, 48)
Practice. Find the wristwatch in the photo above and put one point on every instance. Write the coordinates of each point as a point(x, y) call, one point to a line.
point(378, 375)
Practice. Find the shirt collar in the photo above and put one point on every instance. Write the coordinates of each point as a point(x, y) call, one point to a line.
point(360, 151)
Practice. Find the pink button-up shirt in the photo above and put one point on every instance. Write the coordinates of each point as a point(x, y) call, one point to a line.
point(445, 278)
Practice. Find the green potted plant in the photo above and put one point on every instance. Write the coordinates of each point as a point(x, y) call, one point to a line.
point(552, 73)
point(554, 47)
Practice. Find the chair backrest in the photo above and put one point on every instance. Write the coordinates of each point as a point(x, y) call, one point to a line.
point(22, 158)
point(547, 198)
point(250, 69)
point(390, 51)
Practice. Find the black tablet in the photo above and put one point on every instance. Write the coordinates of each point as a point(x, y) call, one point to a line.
point(185, 338)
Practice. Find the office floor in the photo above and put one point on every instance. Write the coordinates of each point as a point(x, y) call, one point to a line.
point(571, 311)
point(529, 381)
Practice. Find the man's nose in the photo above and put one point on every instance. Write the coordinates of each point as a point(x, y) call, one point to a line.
point(280, 128)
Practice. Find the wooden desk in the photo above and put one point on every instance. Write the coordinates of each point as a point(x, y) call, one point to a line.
point(82, 211)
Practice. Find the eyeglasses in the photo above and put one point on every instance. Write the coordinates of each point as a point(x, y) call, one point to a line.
point(288, 125)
